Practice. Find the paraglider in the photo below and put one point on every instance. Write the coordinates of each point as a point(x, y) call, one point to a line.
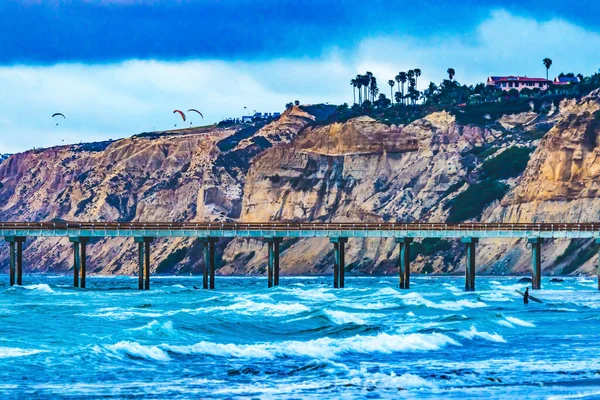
point(58, 114)
point(180, 113)
point(193, 109)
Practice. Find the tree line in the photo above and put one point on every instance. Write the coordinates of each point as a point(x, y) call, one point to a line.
point(404, 90)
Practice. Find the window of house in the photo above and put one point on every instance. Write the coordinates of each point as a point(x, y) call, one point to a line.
point(503, 84)
point(541, 84)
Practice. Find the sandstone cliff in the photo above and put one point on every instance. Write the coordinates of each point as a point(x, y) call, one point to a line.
point(303, 167)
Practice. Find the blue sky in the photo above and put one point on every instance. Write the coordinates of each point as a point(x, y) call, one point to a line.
point(119, 67)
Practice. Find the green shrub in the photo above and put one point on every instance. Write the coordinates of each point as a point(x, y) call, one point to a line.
point(508, 164)
point(475, 114)
point(470, 203)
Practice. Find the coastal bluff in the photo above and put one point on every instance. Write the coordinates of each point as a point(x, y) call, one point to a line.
point(306, 165)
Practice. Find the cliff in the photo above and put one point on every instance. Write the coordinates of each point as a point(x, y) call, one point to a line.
point(538, 165)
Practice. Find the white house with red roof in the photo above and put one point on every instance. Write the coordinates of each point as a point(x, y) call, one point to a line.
point(518, 82)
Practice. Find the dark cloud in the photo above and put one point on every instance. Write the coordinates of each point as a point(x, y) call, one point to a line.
point(51, 31)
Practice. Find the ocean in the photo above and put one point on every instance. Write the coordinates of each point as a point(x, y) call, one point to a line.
point(303, 339)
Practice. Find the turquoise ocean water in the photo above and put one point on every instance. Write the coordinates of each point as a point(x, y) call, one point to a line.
point(303, 339)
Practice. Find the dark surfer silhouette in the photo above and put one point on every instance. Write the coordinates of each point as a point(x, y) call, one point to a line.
point(526, 296)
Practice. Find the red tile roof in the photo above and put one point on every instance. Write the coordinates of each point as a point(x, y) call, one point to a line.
point(497, 79)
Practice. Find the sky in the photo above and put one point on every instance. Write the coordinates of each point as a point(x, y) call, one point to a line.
point(116, 68)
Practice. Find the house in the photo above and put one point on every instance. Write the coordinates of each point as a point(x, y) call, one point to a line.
point(565, 80)
point(518, 82)
point(247, 119)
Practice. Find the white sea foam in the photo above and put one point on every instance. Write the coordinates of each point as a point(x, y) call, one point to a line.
point(342, 317)
point(368, 306)
point(505, 323)
point(416, 299)
point(41, 287)
point(323, 348)
point(391, 381)
point(6, 352)
point(135, 350)
point(388, 291)
point(495, 297)
point(319, 294)
point(520, 322)
point(249, 307)
point(512, 288)
point(474, 333)
point(156, 328)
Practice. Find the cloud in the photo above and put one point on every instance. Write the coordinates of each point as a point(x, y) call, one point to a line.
point(104, 101)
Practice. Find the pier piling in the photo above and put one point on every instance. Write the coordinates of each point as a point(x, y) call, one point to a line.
point(79, 259)
point(208, 275)
point(338, 261)
point(536, 261)
point(470, 243)
point(16, 259)
point(404, 262)
point(143, 261)
point(273, 265)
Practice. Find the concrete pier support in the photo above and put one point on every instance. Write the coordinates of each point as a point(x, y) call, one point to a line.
point(79, 259)
point(339, 261)
point(208, 276)
point(144, 261)
point(16, 259)
point(470, 243)
point(273, 266)
point(536, 262)
point(404, 262)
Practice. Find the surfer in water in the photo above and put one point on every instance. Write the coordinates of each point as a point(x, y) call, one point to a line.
point(526, 296)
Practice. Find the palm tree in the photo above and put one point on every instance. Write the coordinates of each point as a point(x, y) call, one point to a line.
point(373, 89)
point(403, 78)
point(354, 85)
point(411, 89)
point(391, 82)
point(397, 78)
point(359, 84)
point(398, 97)
point(547, 63)
point(451, 73)
point(368, 77)
point(417, 75)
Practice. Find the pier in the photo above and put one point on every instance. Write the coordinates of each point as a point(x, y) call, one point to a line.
point(273, 233)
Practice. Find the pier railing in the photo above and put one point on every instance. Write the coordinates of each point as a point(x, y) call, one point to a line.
point(79, 233)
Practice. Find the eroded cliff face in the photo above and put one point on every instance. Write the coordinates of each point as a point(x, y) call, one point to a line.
point(560, 184)
point(169, 176)
point(300, 168)
point(360, 170)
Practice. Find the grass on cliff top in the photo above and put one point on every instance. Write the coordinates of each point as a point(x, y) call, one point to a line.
point(470, 203)
point(508, 164)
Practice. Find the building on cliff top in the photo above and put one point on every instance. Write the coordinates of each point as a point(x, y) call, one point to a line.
point(248, 119)
point(565, 80)
point(518, 82)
